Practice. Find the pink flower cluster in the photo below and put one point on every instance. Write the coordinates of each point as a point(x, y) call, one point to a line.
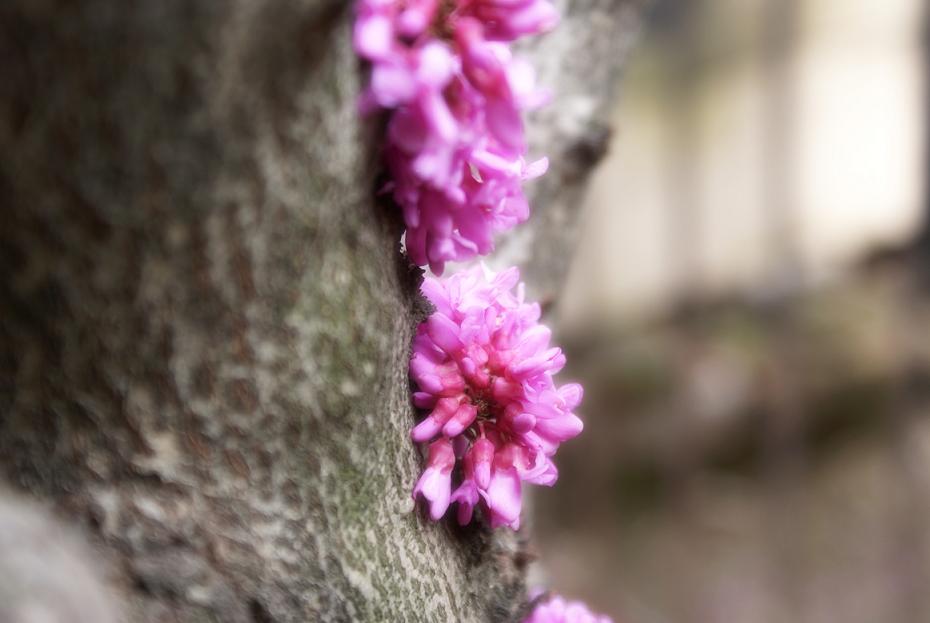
point(483, 367)
point(557, 610)
point(455, 144)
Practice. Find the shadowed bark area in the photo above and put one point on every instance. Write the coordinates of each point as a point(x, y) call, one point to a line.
point(206, 318)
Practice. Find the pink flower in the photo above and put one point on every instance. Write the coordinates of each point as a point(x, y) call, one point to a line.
point(557, 610)
point(436, 481)
point(455, 146)
point(483, 367)
point(512, 19)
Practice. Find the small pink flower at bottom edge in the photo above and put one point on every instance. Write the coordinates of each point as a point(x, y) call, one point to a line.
point(557, 610)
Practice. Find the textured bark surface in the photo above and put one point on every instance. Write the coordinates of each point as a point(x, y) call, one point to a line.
point(205, 319)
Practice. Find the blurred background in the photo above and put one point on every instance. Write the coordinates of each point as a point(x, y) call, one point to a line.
point(749, 311)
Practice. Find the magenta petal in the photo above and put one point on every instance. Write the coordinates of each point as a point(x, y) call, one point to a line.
point(430, 382)
point(435, 483)
point(521, 78)
point(436, 65)
point(492, 164)
point(483, 475)
point(560, 428)
point(536, 168)
point(507, 279)
point(524, 422)
point(572, 394)
point(392, 85)
point(444, 333)
point(558, 610)
point(528, 18)
point(532, 366)
point(506, 124)
point(546, 477)
point(416, 18)
point(426, 430)
point(483, 451)
point(434, 486)
point(440, 503)
point(436, 489)
point(504, 496)
point(408, 131)
point(440, 118)
point(436, 294)
point(424, 400)
point(421, 364)
point(467, 497)
point(461, 420)
point(505, 390)
point(373, 36)
point(452, 384)
point(543, 443)
point(535, 340)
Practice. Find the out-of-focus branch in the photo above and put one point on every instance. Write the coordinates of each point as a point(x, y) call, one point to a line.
point(581, 61)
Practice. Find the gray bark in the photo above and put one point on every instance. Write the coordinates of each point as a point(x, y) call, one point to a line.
point(205, 318)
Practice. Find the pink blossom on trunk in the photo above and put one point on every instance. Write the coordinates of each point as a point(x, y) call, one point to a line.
point(484, 367)
point(455, 146)
point(558, 610)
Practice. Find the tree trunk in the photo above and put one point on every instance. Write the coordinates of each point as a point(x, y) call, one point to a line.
point(206, 318)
